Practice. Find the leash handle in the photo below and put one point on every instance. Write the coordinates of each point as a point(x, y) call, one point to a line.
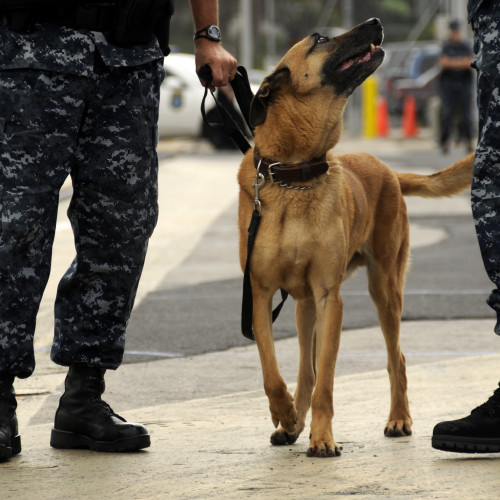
point(205, 73)
point(227, 125)
point(243, 93)
point(241, 88)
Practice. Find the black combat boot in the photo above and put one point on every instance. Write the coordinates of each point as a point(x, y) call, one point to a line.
point(10, 441)
point(477, 433)
point(84, 420)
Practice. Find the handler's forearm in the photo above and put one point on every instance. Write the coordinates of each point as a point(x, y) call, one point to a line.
point(208, 52)
point(205, 12)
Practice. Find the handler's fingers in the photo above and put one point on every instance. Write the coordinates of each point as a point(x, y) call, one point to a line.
point(233, 68)
point(220, 73)
point(224, 70)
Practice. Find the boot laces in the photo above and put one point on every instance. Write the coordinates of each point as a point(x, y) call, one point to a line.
point(95, 388)
point(103, 408)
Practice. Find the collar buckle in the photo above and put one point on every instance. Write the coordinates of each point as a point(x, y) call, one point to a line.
point(271, 173)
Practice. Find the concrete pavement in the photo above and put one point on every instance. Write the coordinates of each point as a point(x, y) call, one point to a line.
point(207, 446)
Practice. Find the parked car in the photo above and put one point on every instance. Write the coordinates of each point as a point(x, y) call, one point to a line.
point(411, 70)
point(180, 98)
point(181, 95)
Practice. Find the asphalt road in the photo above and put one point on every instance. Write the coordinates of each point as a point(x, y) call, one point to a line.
point(186, 316)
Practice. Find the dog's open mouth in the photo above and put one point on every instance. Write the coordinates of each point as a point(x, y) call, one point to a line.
point(361, 58)
point(354, 56)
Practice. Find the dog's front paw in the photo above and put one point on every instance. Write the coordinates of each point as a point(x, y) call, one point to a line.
point(283, 412)
point(282, 437)
point(398, 428)
point(323, 449)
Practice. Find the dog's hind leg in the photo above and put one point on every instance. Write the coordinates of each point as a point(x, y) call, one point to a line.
point(386, 282)
point(305, 313)
point(280, 400)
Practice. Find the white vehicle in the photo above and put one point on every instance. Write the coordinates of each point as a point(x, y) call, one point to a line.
point(180, 98)
point(181, 94)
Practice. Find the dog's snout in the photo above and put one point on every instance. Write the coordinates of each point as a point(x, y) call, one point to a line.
point(374, 20)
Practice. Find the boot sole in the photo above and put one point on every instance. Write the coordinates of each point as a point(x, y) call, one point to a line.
point(70, 441)
point(7, 452)
point(466, 445)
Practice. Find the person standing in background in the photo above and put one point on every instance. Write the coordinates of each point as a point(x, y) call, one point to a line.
point(456, 87)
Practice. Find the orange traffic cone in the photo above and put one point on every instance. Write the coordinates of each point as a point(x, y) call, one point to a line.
point(410, 124)
point(383, 123)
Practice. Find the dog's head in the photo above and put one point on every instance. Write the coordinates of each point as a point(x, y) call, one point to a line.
point(311, 83)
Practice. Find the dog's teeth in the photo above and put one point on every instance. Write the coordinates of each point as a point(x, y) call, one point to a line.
point(372, 47)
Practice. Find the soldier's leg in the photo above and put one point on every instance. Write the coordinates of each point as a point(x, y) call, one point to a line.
point(38, 131)
point(486, 176)
point(113, 213)
point(480, 431)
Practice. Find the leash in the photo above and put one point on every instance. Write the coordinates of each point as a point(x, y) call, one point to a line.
point(244, 96)
point(247, 301)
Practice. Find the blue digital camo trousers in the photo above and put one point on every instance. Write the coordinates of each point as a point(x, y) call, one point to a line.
point(102, 131)
point(486, 177)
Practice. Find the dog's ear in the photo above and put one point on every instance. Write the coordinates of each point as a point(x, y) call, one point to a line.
point(266, 93)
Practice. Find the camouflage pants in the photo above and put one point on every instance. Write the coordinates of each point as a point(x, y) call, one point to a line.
point(102, 131)
point(486, 178)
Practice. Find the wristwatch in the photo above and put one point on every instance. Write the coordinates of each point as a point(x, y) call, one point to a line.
point(211, 32)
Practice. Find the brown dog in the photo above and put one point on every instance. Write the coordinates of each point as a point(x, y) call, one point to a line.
point(322, 217)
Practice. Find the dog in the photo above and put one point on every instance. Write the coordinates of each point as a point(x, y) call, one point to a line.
point(322, 216)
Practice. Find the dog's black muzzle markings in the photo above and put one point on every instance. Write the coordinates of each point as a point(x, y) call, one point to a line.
point(356, 54)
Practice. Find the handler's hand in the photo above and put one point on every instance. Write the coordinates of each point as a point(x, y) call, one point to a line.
point(221, 62)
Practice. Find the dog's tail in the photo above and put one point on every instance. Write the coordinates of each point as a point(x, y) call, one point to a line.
point(447, 182)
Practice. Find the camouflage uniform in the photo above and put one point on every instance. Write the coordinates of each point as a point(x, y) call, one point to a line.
point(72, 104)
point(484, 16)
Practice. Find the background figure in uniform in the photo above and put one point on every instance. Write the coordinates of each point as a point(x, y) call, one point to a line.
point(480, 431)
point(74, 101)
point(456, 87)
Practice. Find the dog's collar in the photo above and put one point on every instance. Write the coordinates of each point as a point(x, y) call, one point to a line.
point(290, 172)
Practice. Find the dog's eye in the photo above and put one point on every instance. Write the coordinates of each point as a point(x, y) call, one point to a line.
point(322, 39)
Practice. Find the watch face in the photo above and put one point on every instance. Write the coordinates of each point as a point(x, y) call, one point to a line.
point(213, 32)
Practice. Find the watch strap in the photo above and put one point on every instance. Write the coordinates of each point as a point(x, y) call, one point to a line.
point(207, 37)
point(199, 34)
